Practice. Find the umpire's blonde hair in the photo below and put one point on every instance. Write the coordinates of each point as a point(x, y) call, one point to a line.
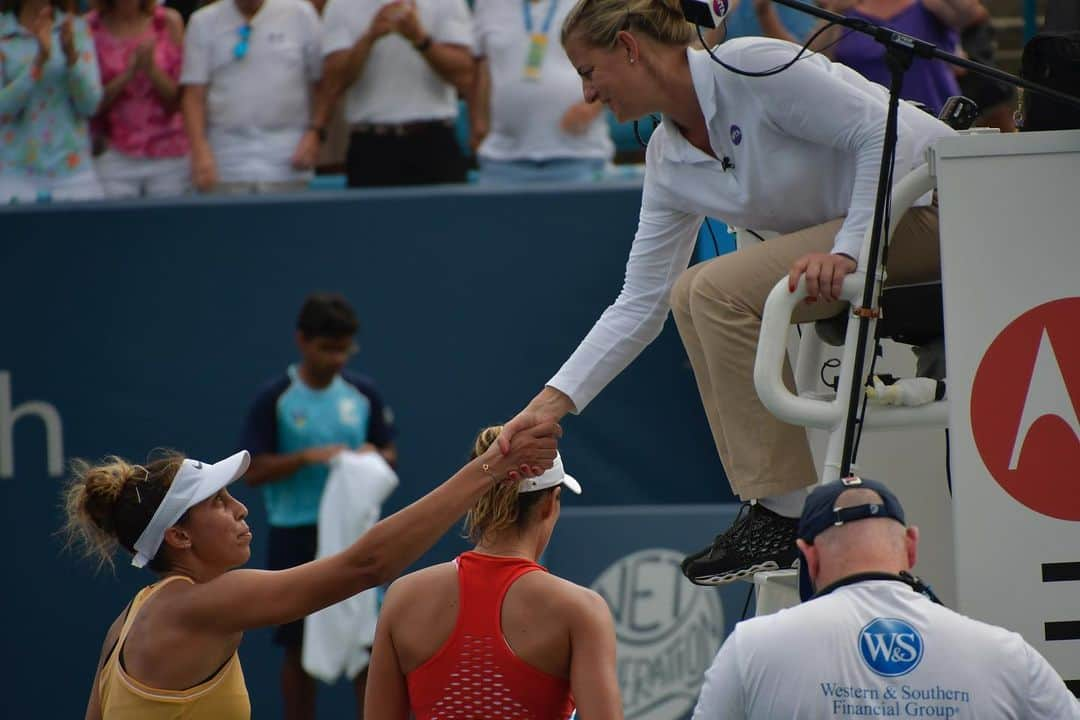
point(598, 22)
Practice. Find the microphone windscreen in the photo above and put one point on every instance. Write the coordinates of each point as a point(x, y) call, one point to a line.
point(705, 13)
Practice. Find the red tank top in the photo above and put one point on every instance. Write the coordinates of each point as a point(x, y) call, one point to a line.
point(475, 674)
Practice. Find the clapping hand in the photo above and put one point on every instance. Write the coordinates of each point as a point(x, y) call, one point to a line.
point(385, 21)
point(144, 56)
point(67, 39)
point(41, 28)
point(408, 22)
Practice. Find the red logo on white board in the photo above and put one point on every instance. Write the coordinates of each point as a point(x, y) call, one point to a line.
point(1025, 409)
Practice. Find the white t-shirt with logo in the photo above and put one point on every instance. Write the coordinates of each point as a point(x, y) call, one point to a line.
point(526, 113)
point(396, 84)
point(879, 649)
point(257, 106)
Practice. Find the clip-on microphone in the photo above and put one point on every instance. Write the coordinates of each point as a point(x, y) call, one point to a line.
point(708, 13)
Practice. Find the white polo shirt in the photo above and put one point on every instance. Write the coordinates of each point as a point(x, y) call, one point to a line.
point(258, 106)
point(805, 147)
point(526, 113)
point(879, 649)
point(396, 84)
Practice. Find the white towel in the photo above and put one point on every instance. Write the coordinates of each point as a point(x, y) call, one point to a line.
point(911, 392)
point(337, 638)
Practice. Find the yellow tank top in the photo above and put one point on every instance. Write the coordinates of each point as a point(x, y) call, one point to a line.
point(223, 697)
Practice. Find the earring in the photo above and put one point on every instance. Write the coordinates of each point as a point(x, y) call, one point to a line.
point(631, 61)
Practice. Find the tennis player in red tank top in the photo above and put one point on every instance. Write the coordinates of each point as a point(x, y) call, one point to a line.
point(492, 634)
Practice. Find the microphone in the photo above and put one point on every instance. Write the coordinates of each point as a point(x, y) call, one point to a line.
point(726, 164)
point(706, 13)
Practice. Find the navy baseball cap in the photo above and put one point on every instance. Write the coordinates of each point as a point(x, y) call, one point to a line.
point(820, 512)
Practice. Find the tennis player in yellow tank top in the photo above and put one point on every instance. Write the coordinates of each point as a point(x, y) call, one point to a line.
point(173, 651)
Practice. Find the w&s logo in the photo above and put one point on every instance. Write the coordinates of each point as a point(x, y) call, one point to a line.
point(890, 647)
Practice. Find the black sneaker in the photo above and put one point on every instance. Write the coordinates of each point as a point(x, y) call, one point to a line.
point(758, 540)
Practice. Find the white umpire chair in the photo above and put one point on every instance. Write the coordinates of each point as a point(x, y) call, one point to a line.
point(827, 411)
point(1009, 256)
point(830, 412)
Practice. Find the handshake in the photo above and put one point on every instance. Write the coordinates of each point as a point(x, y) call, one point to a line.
point(528, 443)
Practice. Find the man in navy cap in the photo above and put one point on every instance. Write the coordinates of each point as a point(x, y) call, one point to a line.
point(871, 642)
point(895, 546)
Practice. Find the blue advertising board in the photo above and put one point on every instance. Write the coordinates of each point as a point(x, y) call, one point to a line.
point(667, 630)
point(128, 327)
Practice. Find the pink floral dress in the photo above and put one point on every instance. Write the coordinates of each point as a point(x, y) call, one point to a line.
point(138, 123)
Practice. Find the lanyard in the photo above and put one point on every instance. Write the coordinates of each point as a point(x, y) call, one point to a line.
point(547, 20)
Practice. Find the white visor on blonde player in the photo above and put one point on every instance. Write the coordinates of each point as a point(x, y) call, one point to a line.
point(195, 481)
point(552, 477)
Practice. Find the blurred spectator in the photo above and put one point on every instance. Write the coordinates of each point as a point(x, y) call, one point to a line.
point(928, 81)
point(1061, 16)
point(140, 50)
point(743, 20)
point(184, 7)
point(298, 422)
point(331, 160)
point(399, 65)
point(996, 100)
point(250, 74)
point(528, 119)
point(49, 88)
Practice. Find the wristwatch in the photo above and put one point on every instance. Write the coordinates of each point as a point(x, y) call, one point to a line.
point(424, 44)
point(320, 131)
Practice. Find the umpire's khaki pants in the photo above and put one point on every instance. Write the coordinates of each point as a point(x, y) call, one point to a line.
point(717, 307)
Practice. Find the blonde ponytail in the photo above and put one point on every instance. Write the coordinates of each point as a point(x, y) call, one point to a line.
point(502, 507)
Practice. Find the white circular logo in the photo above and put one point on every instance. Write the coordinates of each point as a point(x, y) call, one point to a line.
point(668, 632)
point(890, 647)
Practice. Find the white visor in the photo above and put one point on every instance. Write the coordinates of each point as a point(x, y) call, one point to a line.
point(552, 477)
point(195, 481)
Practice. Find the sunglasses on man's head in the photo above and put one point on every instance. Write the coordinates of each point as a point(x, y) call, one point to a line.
point(243, 36)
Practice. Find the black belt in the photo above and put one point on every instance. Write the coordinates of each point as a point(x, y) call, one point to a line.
point(400, 129)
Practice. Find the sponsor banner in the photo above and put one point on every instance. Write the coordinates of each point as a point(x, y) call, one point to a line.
point(132, 326)
point(1012, 303)
point(668, 630)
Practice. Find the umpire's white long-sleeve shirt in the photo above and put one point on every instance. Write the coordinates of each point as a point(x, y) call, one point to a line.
point(803, 147)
